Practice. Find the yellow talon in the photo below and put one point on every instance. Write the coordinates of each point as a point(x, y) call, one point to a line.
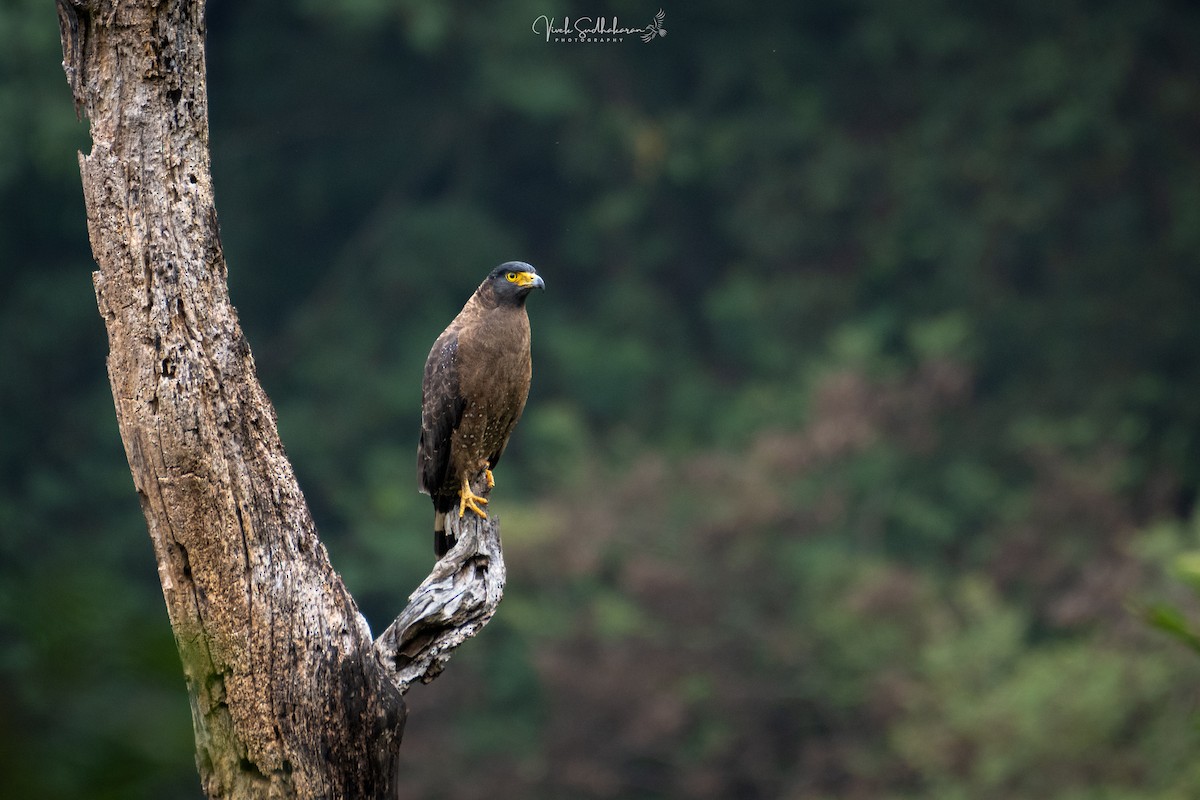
point(468, 499)
point(491, 481)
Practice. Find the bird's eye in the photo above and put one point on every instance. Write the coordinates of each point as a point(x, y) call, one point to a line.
point(512, 277)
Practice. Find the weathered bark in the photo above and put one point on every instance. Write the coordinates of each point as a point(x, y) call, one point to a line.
point(290, 696)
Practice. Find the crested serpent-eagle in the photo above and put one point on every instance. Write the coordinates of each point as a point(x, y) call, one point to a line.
point(476, 383)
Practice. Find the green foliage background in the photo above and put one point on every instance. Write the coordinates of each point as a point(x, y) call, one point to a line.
point(865, 411)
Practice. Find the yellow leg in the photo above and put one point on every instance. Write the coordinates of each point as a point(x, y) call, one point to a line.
point(490, 479)
point(468, 499)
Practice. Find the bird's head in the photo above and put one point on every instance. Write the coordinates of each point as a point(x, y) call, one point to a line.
point(511, 282)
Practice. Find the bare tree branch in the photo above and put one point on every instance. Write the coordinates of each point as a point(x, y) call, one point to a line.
point(450, 606)
point(290, 696)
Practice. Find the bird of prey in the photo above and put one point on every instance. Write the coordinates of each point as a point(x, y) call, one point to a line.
point(476, 383)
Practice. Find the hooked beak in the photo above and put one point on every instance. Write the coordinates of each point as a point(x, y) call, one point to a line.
point(531, 280)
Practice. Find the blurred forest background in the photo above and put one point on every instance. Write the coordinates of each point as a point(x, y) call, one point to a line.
point(866, 407)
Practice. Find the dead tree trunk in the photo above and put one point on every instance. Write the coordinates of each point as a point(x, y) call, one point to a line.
point(290, 695)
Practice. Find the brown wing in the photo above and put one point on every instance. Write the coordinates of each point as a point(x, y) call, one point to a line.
point(441, 411)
